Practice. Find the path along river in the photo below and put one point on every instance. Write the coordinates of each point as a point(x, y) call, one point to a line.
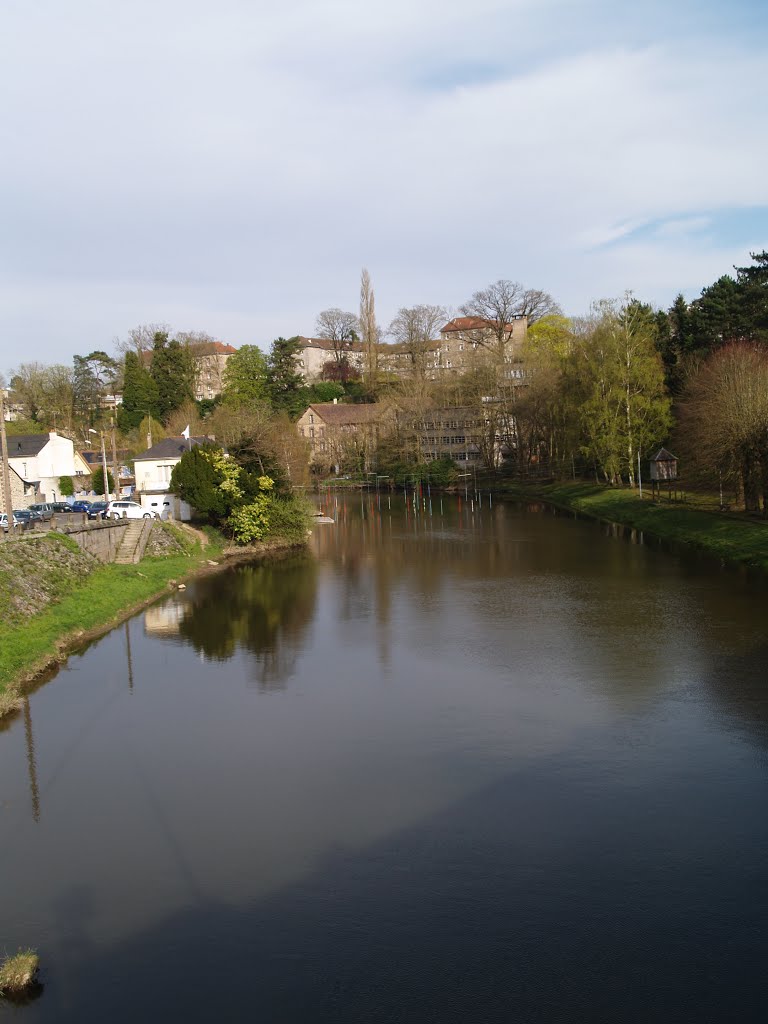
point(483, 764)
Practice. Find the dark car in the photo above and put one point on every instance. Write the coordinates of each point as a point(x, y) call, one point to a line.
point(80, 506)
point(61, 506)
point(98, 510)
point(26, 515)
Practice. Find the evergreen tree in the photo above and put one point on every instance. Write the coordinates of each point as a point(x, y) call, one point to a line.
point(173, 371)
point(286, 385)
point(139, 393)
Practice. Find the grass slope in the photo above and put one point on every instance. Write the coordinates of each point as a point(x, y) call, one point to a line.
point(81, 603)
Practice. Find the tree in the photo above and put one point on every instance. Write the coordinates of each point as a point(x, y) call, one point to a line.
point(415, 328)
point(498, 307)
point(141, 339)
point(341, 372)
point(285, 382)
point(619, 379)
point(368, 328)
point(753, 288)
point(724, 418)
point(338, 327)
point(93, 375)
point(246, 378)
point(97, 481)
point(173, 371)
point(66, 487)
point(139, 393)
point(46, 392)
point(198, 478)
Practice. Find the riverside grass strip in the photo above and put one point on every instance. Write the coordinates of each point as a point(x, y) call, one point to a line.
point(732, 538)
point(103, 597)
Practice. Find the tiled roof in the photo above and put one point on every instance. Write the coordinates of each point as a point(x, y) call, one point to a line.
point(472, 323)
point(26, 445)
point(169, 448)
point(331, 346)
point(346, 415)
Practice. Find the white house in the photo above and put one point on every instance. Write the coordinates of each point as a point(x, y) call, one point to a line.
point(153, 470)
point(41, 460)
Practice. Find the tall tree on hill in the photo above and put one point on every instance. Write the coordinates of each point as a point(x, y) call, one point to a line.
point(246, 378)
point(93, 375)
point(415, 328)
point(499, 305)
point(139, 393)
point(339, 328)
point(173, 371)
point(753, 288)
point(369, 330)
point(285, 382)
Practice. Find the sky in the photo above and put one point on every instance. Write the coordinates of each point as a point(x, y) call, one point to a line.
point(230, 167)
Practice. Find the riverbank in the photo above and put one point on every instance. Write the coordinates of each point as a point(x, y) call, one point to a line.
point(730, 537)
point(81, 600)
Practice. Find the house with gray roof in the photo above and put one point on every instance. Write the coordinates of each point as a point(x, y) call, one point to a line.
point(41, 460)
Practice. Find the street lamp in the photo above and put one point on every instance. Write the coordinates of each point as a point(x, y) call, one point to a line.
point(100, 433)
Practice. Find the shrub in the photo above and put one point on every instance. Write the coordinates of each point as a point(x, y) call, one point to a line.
point(18, 971)
point(66, 487)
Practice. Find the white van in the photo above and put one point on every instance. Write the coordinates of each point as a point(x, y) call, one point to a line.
point(127, 510)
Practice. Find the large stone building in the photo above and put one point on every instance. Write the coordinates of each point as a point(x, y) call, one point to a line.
point(344, 435)
point(316, 352)
point(210, 361)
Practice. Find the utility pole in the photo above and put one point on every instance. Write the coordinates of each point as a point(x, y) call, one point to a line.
point(6, 470)
point(115, 467)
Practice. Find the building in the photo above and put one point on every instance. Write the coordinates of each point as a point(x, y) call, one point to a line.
point(464, 335)
point(21, 495)
point(316, 352)
point(210, 361)
point(125, 475)
point(42, 459)
point(344, 435)
point(153, 469)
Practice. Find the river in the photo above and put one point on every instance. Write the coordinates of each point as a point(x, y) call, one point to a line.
point(459, 762)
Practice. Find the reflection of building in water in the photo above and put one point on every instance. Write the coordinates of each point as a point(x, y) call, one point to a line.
point(165, 619)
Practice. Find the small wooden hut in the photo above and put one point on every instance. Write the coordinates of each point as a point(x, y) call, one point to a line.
point(663, 468)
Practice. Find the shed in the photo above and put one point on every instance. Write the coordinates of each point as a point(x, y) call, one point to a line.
point(663, 466)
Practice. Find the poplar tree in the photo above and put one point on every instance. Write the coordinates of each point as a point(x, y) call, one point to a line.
point(368, 328)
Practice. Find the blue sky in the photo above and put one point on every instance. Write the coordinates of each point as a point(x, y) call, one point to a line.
point(231, 167)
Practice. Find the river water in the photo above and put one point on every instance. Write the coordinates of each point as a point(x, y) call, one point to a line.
point(457, 763)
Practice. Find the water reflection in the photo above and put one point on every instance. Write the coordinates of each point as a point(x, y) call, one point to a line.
point(264, 610)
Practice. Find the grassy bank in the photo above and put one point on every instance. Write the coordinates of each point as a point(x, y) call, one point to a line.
point(732, 538)
point(76, 601)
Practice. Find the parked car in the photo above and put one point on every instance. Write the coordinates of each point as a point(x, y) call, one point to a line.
point(44, 509)
point(61, 506)
point(16, 521)
point(127, 510)
point(81, 505)
point(27, 516)
point(98, 510)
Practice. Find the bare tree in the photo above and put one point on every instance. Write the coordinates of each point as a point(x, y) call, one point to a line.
point(415, 328)
point(497, 308)
point(724, 419)
point(368, 327)
point(338, 327)
point(140, 339)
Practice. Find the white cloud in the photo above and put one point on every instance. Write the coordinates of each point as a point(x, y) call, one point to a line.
point(232, 168)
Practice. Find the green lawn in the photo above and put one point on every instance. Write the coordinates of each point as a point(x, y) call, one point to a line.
point(96, 601)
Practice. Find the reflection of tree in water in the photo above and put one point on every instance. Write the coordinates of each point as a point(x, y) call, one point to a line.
point(264, 609)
